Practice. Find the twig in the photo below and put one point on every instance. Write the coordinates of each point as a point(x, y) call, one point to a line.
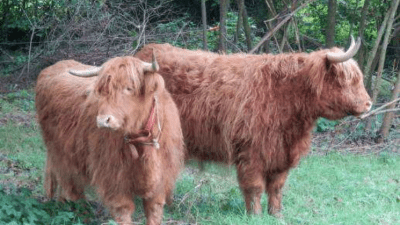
point(387, 110)
point(5, 53)
point(194, 189)
point(30, 48)
point(313, 41)
point(347, 137)
point(377, 111)
point(180, 32)
point(22, 72)
point(30, 42)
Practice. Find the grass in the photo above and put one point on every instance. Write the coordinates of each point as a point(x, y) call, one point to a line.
point(333, 188)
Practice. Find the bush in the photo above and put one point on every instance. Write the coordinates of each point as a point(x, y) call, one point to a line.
point(324, 125)
point(17, 206)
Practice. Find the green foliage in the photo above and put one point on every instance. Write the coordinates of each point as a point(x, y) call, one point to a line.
point(334, 189)
point(20, 58)
point(19, 207)
point(325, 125)
point(22, 17)
point(20, 101)
point(313, 21)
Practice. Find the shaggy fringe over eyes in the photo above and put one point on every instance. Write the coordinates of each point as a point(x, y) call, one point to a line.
point(350, 69)
point(120, 67)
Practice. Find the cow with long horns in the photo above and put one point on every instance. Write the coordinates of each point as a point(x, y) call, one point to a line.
point(258, 111)
point(115, 128)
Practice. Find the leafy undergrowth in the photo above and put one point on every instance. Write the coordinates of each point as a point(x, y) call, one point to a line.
point(21, 208)
point(330, 186)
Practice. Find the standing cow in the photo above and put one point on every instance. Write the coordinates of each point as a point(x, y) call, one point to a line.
point(258, 111)
point(115, 128)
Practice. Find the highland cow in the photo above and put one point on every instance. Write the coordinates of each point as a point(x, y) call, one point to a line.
point(113, 127)
point(258, 111)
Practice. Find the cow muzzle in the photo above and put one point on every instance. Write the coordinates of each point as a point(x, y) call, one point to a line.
point(364, 109)
point(108, 121)
point(368, 106)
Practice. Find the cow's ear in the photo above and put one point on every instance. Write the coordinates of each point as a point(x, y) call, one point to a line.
point(153, 82)
point(104, 85)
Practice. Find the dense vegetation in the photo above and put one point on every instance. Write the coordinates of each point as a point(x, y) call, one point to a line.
point(348, 177)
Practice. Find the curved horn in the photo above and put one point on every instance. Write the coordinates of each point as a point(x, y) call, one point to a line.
point(90, 72)
point(341, 57)
point(151, 67)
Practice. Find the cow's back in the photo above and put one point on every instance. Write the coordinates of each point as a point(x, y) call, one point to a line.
point(206, 87)
point(59, 102)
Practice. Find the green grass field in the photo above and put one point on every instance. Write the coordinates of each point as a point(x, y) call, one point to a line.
point(333, 188)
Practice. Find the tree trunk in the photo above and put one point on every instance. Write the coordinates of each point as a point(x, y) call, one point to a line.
point(4, 21)
point(223, 7)
point(297, 32)
point(204, 20)
point(239, 21)
point(271, 7)
point(368, 84)
point(269, 24)
point(266, 46)
point(330, 26)
point(246, 26)
point(361, 51)
point(385, 43)
point(285, 41)
point(367, 69)
point(387, 119)
point(352, 18)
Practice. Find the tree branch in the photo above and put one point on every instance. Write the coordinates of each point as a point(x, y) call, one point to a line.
point(276, 28)
point(379, 111)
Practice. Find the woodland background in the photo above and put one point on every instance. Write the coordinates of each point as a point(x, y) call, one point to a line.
point(35, 34)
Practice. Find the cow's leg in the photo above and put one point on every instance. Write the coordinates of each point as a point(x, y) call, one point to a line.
point(121, 208)
point(153, 208)
point(251, 182)
point(71, 188)
point(274, 185)
point(50, 181)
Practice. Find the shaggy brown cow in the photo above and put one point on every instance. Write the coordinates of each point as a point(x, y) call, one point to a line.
point(118, 131)
point(258, 111)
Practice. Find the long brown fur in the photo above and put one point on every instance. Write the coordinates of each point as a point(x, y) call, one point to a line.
point(80, 154)
point(257, 111)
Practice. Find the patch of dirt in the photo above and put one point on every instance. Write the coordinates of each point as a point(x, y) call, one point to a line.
point(19, 118)
point(15, 82)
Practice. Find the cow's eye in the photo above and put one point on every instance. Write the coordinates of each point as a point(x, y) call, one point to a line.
point(128, 90)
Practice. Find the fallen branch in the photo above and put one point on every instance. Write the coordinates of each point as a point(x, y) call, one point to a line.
point(276, 28)
point(5, 53)
point(379, 110)
point(193, 190)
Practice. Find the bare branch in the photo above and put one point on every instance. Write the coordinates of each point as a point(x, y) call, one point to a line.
point(276, 28)
point(379, 110)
